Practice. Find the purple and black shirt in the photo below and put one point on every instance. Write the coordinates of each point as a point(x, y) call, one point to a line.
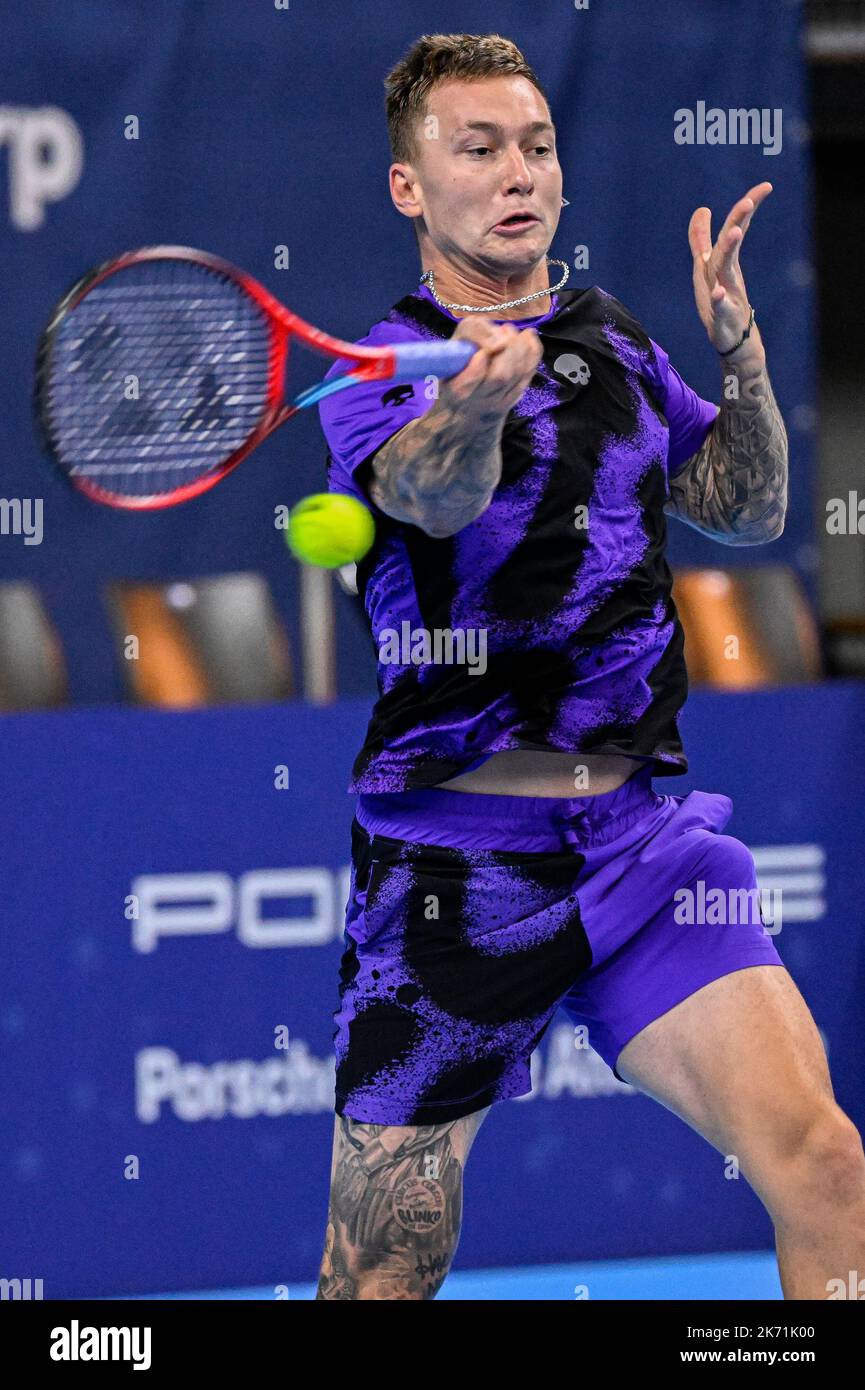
point(547, 623)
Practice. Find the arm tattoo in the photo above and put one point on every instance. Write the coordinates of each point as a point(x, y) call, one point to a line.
point(734, 488)
point(439, 472)
point(395, 1208)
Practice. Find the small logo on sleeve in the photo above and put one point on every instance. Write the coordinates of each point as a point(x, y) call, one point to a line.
point(398, 395)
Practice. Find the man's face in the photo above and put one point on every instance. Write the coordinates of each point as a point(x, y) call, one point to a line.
point(487, 150)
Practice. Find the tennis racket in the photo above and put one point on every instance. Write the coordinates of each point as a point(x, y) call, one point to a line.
point(161, 370)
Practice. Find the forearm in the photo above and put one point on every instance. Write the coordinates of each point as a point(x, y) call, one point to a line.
point(440, 471)
point(734, 488)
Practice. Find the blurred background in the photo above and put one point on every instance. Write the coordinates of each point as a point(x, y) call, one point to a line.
point(176, 818)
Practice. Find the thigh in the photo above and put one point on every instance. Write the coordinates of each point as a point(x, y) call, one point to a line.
point(454, 964)
point(682, 912)
point(395, 1207)
point(741, 1061)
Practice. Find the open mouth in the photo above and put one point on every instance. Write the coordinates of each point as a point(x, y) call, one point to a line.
point(518, 219)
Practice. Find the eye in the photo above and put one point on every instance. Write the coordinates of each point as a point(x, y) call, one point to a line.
point(478, 149)
point(543, 149)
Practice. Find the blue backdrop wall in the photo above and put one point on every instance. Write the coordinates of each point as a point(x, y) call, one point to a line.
point(260, 127)
point(156, 1135)
point(153, 1039)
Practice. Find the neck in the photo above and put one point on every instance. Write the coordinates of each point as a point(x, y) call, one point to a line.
point(457, 286)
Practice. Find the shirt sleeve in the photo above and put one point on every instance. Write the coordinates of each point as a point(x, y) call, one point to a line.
point(358, 421)
point(689, 416)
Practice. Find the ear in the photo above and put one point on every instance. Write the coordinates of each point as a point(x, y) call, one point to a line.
point(404, 188)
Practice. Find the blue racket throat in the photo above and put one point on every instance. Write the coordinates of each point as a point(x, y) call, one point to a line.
point(414, 361)
point(313, 394)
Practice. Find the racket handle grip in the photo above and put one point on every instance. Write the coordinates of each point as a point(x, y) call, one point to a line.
point(414, 360)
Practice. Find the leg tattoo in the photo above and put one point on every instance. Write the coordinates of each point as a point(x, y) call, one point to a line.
point(395, 1208)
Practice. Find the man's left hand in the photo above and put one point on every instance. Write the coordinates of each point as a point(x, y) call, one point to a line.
point(719, 289)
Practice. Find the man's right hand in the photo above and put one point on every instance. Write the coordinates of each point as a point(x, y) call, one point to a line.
point(439, 472)
point(498, 373)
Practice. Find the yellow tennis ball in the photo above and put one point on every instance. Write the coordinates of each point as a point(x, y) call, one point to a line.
point(330, 529)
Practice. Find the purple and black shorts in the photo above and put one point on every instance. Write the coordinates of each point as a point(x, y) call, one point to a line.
point(472, 917)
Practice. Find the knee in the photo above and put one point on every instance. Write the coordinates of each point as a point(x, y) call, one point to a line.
point(820, 1163)
point(836, 1152)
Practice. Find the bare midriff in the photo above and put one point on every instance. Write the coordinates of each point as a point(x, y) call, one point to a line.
point(525, 772)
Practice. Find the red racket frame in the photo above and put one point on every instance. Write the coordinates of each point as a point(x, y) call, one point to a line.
point(375, 364)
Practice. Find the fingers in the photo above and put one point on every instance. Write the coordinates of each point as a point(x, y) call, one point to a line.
point(758, 194)
point(501, 369)
point(508, 349)
point(732, 232)
point(727, 250)
point(515, 361)
point(741, 213)
point(497, 340)
point(488, 335)
point(524, 363)
point(492, 340)
point(700, 234)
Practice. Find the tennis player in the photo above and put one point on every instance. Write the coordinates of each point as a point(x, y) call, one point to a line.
point(510, 853)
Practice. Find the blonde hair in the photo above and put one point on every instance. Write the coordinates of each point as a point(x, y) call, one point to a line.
point(435, 58)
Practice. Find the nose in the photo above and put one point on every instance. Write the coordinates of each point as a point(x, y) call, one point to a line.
point(519, 175)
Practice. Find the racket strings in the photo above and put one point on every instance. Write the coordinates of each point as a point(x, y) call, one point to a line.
point(159, 374)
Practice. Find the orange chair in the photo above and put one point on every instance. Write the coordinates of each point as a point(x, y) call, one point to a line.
point(747, 628)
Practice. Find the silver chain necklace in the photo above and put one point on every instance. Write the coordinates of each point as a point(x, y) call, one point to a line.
point(428, 278)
